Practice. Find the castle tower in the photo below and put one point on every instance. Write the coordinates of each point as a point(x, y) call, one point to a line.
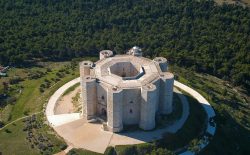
point(88, 88)
point(114, 109)
point(157, 83)
point(162, 62)
point(85, 67)
point(105, 54)
point(135, 51)
point(166, 93)
point(148, 102)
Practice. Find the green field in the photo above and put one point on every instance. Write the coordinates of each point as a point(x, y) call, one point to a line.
point(231, 105)
point(72, 88)
point(28, 97)
point(14, 138)
point(29, 100)
point(175, 115)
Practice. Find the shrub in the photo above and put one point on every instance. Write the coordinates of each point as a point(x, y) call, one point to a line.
point(48, 70)
point(42, 85)
point(15, 80)
point(109, 151)
point(1, 124)
point(7, 131)
point(63, 146)
point(161, 151)
point(42, 147)
point(72, 152)
point(26, 112)
point(41, 90)
point(126, 149)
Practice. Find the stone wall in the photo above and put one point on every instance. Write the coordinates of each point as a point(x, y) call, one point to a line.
point(114, 109)
point(85, 67)
point(166, 93)
point(148, 102)
point(157, 98)
point(101, 98)
point(131, 106)
point(89, 96)
point(146, 89)
point(125, 69)
point(162, 62)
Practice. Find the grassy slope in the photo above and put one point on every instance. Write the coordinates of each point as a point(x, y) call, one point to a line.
point(72, 88)
point(81, 152)
point(17, 137)
point(192, 128)
point(15, 142)
point(232, 112)
point(31, 100)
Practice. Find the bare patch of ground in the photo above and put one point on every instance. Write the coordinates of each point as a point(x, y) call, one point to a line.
point(239, 2)
point(69, 103)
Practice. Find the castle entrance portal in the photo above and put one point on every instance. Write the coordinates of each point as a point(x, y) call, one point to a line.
point(104, 114)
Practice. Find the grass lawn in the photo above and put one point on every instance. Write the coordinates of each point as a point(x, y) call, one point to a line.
point(192, 129)
point(82, 152)
point(72, 88)
point(31, 94)
point(176, 113)
point(14, 140)
point(231, 105)
point(29, 98)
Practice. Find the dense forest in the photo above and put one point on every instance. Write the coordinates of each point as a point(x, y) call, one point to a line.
point(195, 34)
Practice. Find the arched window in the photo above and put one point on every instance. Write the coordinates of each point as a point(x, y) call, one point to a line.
point(131, 102)
point(130, 111)
point(102, 97)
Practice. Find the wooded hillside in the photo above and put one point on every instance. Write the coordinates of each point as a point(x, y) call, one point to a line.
point(198, 35)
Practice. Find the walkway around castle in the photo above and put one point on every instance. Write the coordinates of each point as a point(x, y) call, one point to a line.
point(86, 135)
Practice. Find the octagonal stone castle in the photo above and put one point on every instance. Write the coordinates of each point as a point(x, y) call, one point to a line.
point(126, 89)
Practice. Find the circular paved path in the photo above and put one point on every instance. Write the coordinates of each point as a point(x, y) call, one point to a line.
point(81, 134)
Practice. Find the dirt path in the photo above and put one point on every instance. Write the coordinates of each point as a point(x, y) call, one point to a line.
point(65, 103)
